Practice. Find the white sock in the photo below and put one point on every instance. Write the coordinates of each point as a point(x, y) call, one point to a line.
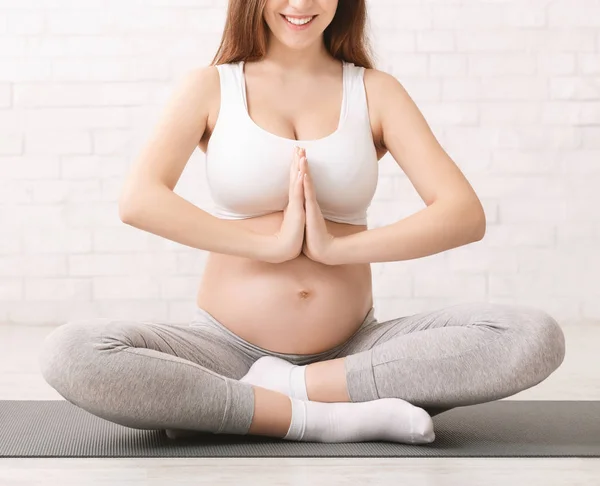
point(279, 375)
point(385, 419)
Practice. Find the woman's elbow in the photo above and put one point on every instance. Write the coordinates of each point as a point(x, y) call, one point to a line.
point(480, 224)
point(130, 199)
point(126, 208)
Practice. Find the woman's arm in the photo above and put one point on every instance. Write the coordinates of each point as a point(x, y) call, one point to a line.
point(147, 200)
point(454, 215)
point(162, 212)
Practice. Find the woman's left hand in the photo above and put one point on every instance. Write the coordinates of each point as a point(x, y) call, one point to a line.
point(318, 242)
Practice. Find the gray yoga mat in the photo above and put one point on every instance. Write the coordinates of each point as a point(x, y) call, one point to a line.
point(504, 428)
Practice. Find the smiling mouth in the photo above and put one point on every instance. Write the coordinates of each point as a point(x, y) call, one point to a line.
point(298, 24)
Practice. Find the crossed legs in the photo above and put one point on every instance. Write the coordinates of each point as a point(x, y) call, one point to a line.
point(159, 376)
point(454, 356)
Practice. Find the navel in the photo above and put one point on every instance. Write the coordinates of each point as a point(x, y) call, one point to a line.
point(304, 294)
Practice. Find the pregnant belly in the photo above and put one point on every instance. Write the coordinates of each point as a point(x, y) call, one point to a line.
point(299, 306)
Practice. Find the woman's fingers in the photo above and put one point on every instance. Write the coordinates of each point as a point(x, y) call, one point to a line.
point(297, 170)
point(294, 171)
point(295, 181)
point(299, 185)
point(293, 165)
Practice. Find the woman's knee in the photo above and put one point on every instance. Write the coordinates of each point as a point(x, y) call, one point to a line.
point(542, 343)
point(534, 343)
point(536, 326)
point(549, 336)
point(66, 348)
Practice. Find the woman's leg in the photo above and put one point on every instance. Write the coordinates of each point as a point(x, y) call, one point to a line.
point(148, 375)
point(456, 356)
point(179, 378)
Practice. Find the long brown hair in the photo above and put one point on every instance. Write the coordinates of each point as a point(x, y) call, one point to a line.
point(245, 34)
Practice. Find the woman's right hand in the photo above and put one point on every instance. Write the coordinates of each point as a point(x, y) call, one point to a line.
point(288, 241)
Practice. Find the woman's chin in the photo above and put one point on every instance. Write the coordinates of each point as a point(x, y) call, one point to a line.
point(295, 44)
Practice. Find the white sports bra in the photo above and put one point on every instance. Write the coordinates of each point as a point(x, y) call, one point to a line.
point(247, 167)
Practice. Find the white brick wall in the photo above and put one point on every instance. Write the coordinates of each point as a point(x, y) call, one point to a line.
point(511, 89)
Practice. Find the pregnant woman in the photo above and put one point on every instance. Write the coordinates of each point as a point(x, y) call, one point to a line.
point(284, 341)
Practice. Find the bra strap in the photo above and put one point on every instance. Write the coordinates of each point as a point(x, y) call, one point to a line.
point(357, 94)
point(231, 95)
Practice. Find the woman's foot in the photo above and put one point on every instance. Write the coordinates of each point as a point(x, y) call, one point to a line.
point(279, 375)
point(385, 419)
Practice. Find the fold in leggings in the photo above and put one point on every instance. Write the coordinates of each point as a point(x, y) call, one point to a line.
point(149, 375)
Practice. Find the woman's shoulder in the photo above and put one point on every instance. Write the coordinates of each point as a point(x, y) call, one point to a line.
point(197, 88)
point(382, 90)
point(201, 77)
point(202, 81)
point(380, 79)
point(380, 86)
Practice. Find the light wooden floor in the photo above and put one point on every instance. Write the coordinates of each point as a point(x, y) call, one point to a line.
point(577, 379)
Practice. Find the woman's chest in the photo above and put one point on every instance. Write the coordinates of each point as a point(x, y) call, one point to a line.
point(296, 122)
point(249, 173)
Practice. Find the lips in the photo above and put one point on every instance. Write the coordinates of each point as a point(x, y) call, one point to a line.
point(297, 17)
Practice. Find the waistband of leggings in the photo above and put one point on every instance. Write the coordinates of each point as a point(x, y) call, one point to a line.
point(203, 316)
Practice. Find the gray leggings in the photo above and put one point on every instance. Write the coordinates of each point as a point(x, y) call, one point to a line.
point(148, 375)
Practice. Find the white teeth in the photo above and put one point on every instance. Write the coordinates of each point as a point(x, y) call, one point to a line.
point(295, 21)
